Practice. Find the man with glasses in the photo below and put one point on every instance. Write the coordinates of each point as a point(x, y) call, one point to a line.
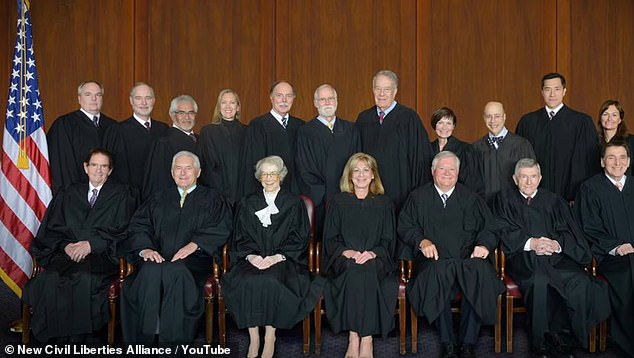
point(498, 151)
point(395, 136)
point(273, 133)
point(565, 141)
point(180, 136)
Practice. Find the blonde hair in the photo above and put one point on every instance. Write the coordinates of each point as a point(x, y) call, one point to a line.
point(217, 116)
point(346, 185)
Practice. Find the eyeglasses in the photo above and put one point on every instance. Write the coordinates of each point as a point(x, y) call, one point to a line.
point(386, 90)
point(493, 116)
point(183, 113)
point(270, 175)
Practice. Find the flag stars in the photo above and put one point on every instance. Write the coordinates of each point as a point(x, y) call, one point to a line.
point(36, 117)
point(19, 128)
point(19, 47)
point(15, 73)
point(11, 100)
point(27, 89)
point(9, 114)
point(37, 104)
point(30, 62)
point(14, 87)
point(29, 76)
point(22, 114)
point(25, 101)
point(17, 61)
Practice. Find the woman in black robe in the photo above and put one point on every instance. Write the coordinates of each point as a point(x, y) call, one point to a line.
point(268, 283)
point(220, 146)
point(359, 241)
point(611, 126)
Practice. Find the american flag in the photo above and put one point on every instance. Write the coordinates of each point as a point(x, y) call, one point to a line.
point(25, 184)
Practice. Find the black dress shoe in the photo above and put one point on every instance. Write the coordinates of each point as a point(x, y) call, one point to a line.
point(467, 351)
point(558, 347)
point(448, 350)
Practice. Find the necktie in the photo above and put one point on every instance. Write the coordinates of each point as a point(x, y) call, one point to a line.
point(381, 117)
point(193, 137)
point(619, 185)
point(147, 125)
point(330, 126)
point(284, 122)
point(183, 198)
point(444, 198)
point(551, 114)
point(93, 197)
point(528, 200)
point(95, 121)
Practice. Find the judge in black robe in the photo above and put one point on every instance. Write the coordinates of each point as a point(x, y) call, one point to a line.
point(322, 153)
point(566, 146)
point(399, 142)
point(73, 135)
point(179, 137)
point(546, 254)
point(606, 215)
point(69, 296)
point(611, 126)
point(358, 257)
point(268, 283)
point(267, 135)
point(221, 144)
point(173, 238)
point(454, 245)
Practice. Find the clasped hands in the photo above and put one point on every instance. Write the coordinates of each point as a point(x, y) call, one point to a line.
point(154, 256)
point(263, 263)
point(544, 246)
point(624, 249)
point(429, 250)
point(77, 251)
point(359, 257)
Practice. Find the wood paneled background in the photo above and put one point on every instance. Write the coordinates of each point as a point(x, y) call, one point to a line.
point(456, 53)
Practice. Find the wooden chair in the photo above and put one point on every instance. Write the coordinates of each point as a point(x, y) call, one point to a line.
point(456, 309)
point(603, 326)
point(113, 295)
point(222, 331)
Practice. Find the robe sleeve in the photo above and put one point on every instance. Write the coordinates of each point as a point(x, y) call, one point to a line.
point(420, 156)
point(569, 236)
point(141, 231)
point(332, 241)
point(410, 231)
point(242, 242)
point(115, 144)
point(295, 246)
point(384, 249)
point(310, 180)
point(487, 225)
point(61, 159)
point(51, 237)
point(511, 232)
point(592, 221)
point(586, 157)
point(215, 228)
point(212, 175)
point(252, 151)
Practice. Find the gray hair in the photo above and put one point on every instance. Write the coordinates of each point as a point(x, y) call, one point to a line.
point(183, 97)
point(184, 153)
point(81, 86)
point(139, 84)
point(387, 73)
point(527, 163)
point(442, 155)
point(273, 160)
point(325, 85)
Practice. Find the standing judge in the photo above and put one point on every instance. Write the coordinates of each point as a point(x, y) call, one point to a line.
point(546, 254)
point(76, 246)
point(172, 239)
point(605, 206)
point(395, 136)
point(565, 141)
point(73, 135)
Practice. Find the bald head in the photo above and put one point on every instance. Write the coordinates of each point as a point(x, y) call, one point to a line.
point(494, 117)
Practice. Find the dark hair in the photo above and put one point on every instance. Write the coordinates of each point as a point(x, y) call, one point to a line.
point(443, 112)
point(101, 151)
point(615, 142)
point(621, 130)
point(550, 76)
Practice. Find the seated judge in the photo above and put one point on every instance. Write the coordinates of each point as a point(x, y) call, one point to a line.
point(451, 230)
point(545, 255)
point(172, 239)
point(268, 283)
point(76, 246)
point(605, 208)
point(358, 261)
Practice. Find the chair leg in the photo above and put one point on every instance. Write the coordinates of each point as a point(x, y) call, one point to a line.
point(318, 327)
point(222, 333)
point(498, 325)
point(603, 335)
point(26, 323)
point(112, 323)
point(414, 326)
point(509, 324)
point(592, 340)
point(402, 318)
point(209, 319)
point(307, 335)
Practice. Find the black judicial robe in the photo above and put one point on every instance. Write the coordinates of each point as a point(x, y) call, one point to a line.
point(70, 298)
point(265, 136)
point(497, 166)
point(469, 174)
point(607, 218)
point(320, 160)
point(556, 289)
point(286, 292)
point(158, 165)
point(173, 290)
point(70, 138)
point(465, 222)
point(565, 147)
point(134, 147)
point(360, 298)
point(220, 148)
point(401, 147)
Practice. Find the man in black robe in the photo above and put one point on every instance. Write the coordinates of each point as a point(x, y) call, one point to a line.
point(450, 228)
point(395, 136)
point(545, 255)
point(565, 141)
point(172, 240)
point(73, 135)
point(605, 208)
point(323, 148)
point(138, 134)
point(180, 136)
point(498, 151)
point(77, 247)
point(273, 133)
